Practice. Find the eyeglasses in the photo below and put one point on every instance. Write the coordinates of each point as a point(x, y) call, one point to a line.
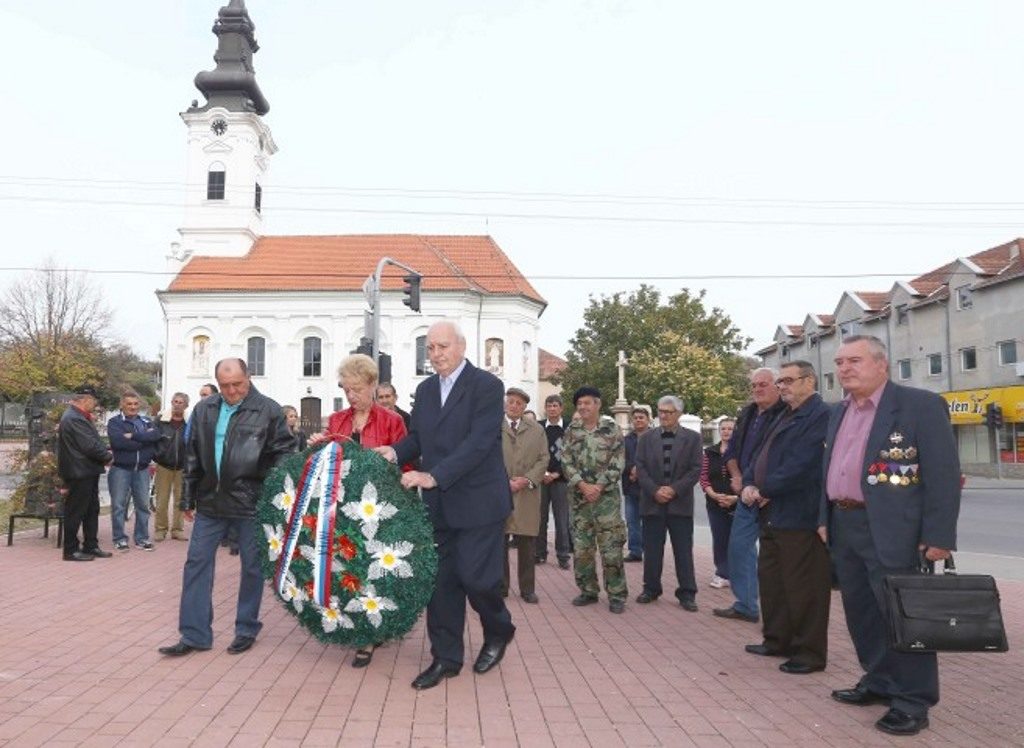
point(789, 380)
point(663, 412)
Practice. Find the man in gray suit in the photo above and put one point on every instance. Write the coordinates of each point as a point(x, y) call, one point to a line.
point(892, 489)
point(668, 460)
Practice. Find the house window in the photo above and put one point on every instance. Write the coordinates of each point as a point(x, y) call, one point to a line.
point(258, 204)
point(812, 341)
point(830, 381)
point(963, 298)
point(256, 356)
point(311, 357)
point(904, 368)
point(901, 315)
point(934, 364)
point(968, 359)
point(847, 329)
point(339, 404)
point(1007, 352)
point(215, 181)
point(423, 367)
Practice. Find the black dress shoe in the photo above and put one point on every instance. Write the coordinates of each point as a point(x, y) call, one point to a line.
point(434, 674)
point(531, 597)
point(98, 553)
point(761, 649)
point(78, 556)
point(690, 605)
point(859, 696)
point(896, 722)
point(734, 614)
point(179, 649)
point(799, 668)
point(633, 558)
point(241, 644)
point(647, 597)
point(490, 655)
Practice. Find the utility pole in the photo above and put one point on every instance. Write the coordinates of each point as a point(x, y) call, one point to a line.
point(371, 290)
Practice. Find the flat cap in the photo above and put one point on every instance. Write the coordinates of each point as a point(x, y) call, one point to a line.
point(518, 393)
point(86, 389)
point(586, 392)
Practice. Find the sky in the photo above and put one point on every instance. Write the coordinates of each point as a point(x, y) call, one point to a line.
point(773, 154)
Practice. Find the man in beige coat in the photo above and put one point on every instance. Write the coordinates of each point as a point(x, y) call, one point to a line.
point(524, 446)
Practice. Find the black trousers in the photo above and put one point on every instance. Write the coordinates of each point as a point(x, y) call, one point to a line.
point(525, 564)
point(470, 563)
point(82, 510)
point(680, 531)
point(554, 499)
point(910, 678)
point(795, 577)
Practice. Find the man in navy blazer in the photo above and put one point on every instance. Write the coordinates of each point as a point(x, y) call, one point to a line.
point(892, 488)
point(455, 432)
point(784, 482)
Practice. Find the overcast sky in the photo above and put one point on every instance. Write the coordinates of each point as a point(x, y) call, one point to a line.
point(738, 147)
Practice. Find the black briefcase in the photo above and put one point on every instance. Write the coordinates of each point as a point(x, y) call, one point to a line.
point(949, 612)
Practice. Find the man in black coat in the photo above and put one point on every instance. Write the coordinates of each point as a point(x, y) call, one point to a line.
point(784, 481)
point(456, 433)
point(81, 457)
point(892, 489)
point(668, 460)
point(236, 437)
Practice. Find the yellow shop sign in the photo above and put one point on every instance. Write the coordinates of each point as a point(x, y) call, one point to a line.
point(969, 406)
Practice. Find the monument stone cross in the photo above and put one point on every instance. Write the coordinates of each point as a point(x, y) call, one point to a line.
point(620, 410)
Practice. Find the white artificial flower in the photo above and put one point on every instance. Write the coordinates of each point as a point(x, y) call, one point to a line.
point(332, 617)
point(286, 499)
point(293, 593)
point(371, 605)
point(389, 559)
point(369, 511)
point(275, 541)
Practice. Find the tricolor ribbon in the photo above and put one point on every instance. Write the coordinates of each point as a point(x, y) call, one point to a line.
point(332, 492)
point(312, 475)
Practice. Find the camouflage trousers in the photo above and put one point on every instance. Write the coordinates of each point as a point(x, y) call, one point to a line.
point(597, 528)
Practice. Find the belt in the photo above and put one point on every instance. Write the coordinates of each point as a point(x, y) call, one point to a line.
point(847, 504)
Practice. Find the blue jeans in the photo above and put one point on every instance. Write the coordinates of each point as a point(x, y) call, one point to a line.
point(195, 616)
point(120, 483)
point(634, 525)
point(743, 559)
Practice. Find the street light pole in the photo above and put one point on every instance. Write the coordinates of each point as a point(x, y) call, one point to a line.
point(371, 289)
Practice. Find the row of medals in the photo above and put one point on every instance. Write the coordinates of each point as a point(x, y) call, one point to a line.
point(896, 453)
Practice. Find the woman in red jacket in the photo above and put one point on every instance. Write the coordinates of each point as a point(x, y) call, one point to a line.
point(365, 423)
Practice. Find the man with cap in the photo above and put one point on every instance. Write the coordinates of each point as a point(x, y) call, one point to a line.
point(524, 447)
point(81, 457)
point(593, 457)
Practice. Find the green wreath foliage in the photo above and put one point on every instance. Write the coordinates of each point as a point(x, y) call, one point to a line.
point(401, 592)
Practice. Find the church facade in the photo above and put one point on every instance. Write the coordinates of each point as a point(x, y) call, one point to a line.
point(293, 306)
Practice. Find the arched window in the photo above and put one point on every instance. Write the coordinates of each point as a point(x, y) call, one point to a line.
point(311, 357)
point(256, 356)
point(423, 367)
point(216, 178)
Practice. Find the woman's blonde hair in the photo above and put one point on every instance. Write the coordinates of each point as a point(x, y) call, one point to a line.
point(359, 366)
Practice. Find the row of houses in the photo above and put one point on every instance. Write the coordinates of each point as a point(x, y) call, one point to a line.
point(957, 330)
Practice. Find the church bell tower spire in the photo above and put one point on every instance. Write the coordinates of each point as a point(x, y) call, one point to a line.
point(228, 147)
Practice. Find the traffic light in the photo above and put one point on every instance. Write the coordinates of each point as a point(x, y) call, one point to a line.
point(997, 416)
point(365, 347)
point(411, 289)
point(384, 368)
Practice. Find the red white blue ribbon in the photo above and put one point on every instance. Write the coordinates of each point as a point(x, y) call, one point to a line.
point(312, 475)
point(332, 492)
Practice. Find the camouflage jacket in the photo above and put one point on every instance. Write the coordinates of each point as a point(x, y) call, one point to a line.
point(597, 456)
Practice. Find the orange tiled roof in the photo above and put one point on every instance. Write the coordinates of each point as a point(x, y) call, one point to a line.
point(548, 364)
point(342, 263)
point(875, 300)
point(826, 319)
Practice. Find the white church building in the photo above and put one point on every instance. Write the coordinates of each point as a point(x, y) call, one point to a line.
point(293, 306)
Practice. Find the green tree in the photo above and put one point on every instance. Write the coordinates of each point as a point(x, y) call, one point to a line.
point(51, 323)
point(632, 322)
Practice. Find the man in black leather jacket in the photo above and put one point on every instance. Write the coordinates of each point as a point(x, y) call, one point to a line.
point(237, 436)
point(81, 457)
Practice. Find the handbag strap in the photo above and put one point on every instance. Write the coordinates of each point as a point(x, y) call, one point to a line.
point(928, 567)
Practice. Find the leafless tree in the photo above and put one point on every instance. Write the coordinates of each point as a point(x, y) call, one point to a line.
point(51, 308)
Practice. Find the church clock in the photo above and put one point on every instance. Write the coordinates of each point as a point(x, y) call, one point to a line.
point(219, 126)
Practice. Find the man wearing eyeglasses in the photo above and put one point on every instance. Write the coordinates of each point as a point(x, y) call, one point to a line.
point(784, 480)
point(754, 423)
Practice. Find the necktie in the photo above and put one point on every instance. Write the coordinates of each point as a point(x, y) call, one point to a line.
point(515, 426)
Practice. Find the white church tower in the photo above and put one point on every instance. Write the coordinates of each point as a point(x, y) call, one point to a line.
point(229, 146)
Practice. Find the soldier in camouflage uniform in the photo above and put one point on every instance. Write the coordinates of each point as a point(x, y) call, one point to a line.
point(593, 457)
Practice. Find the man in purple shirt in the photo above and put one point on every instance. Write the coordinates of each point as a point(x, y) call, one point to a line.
point(892, 490)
